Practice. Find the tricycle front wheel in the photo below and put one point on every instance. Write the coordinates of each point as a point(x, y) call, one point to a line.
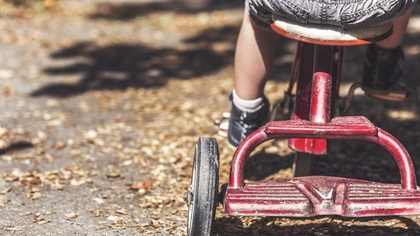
point(203, 193)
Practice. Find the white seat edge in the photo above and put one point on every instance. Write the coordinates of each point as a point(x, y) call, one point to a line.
point(330, 33)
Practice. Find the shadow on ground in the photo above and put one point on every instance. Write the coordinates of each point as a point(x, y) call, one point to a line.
point(132, 65)
point(121, 66)
point(16, 146)
point(333, 226)
point(132, 10)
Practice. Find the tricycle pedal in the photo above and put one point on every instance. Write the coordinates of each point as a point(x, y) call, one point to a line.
point(282, 110)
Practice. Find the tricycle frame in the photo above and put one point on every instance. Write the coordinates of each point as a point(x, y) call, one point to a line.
point(315, 119)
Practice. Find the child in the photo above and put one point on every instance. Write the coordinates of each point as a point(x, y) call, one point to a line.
point(254, 56)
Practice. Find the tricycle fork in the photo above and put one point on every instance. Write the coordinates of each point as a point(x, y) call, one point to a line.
point(315, 102)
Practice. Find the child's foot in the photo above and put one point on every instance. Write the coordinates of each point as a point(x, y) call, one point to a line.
point(242, 124)
point(382, 73)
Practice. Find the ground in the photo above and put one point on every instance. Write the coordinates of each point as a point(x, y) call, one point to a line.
point(103, 101)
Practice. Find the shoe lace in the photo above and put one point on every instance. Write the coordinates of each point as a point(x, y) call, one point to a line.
point(244, 125)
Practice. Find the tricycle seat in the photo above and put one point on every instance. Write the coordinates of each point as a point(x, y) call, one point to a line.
point(330, 35)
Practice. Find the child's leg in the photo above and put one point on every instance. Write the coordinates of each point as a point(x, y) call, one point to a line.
point(254, 55)
point(384, 65)
point(400, 25)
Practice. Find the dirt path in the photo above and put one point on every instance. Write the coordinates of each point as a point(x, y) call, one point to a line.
point(102, 104)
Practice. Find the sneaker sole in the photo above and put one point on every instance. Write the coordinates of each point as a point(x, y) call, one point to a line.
point(395, 94)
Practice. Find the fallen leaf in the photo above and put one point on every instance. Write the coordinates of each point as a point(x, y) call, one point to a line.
point(146, 184)
point(36, 195)
point(112, 218)
point(6, 190)
point(96, 213)
point(71, 215)
point(99, 200)
point(3, 203)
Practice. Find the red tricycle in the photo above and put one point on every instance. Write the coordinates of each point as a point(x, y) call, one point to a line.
point(315, 119)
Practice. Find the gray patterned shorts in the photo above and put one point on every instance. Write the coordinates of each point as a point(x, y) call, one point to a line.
point(345, 14)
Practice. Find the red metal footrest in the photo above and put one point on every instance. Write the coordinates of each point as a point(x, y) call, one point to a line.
point(320, 195)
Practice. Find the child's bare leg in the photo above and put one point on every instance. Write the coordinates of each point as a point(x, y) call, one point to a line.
point(400, 25)
point(254, 55)
point(253, 59)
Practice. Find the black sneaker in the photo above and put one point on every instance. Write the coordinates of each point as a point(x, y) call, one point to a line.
point(242, 124)
point(382, 73)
